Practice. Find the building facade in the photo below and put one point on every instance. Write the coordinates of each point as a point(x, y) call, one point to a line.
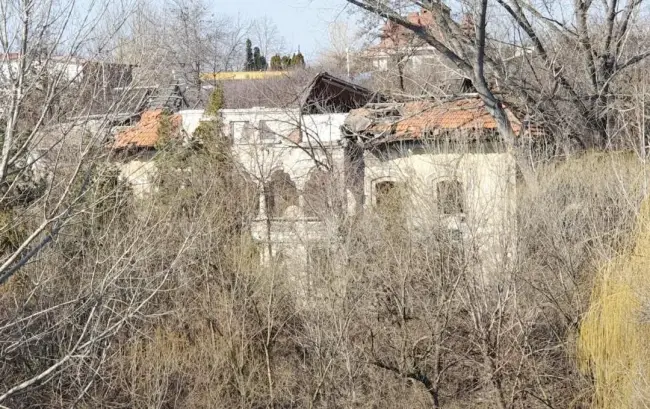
point(444, 168)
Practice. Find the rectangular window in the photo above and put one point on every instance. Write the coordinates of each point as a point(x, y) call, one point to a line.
point(240, 131)
point(389, 201)
point(450, 197)
point(266, 130)
point(276, 130)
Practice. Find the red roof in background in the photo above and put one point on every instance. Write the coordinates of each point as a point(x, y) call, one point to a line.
point(10, 56)
point(420, 119)
point(145, 133)
point(394, 35)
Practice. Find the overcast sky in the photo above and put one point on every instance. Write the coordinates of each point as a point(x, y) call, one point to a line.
point(302, 23)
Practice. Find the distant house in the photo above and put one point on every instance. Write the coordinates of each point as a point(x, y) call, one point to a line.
point(74, 83)
point(396, 40)
point(68, 69)
point(402, 60)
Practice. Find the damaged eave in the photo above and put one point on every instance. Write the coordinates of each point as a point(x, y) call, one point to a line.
point(463, 117)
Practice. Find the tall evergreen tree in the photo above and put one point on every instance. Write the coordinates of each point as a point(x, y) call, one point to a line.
point(250, 62)
point(257, 59)
point(298, 60)
point(276, 63)
point(286, 62)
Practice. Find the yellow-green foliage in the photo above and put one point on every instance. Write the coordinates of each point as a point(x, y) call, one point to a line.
point(165, 131)
point(216, 101)
point(10, 234)
point(614, 342)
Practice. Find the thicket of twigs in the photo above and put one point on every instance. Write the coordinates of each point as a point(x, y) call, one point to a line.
point(162, 302)
point(109, 299)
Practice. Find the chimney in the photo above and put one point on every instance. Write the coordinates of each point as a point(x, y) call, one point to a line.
point(431, 5)
point(467, 25)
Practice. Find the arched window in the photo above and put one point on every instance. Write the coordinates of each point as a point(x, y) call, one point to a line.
point(248, 195)
point(389, 199)
point(280, 194)
point(451, 197)
point(317, 194)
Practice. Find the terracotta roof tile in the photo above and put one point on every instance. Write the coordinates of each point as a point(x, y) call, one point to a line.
point(426, 118)
point(395, 36)
point(145, 133)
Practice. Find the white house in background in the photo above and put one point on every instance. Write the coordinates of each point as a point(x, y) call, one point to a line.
point(402, 60)
point(69, 68)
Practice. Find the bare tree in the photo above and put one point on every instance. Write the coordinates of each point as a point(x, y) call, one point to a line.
point(544, 40)
point(267, 37)
point(56, 181)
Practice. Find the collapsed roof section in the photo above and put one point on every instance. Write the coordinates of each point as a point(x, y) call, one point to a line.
point(463, 117)
point(146, 133)
point(122, 104)
point(312, 94)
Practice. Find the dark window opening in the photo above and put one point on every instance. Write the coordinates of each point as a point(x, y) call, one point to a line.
point(389, 199)
point(266, 133)
point(317, 194)
point(240, 130)
point(450, 197)
point(280, 194)
point(467, 87)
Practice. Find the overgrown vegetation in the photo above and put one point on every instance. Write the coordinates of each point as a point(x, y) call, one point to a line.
point(614, 332)
point(114, 296)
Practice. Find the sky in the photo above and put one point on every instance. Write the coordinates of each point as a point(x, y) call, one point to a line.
point(302, 23)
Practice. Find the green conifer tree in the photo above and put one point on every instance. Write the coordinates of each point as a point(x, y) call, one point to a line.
point(257, 59)
point(298, 60)
point(250, 63)
point(286, 62)
point(208, 136)
point(215, 102)
point(276, 63)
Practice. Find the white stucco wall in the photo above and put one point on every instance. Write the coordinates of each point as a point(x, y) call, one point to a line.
point(191, 118)
point(293, 233)
point(489, 184)
point(139, 172)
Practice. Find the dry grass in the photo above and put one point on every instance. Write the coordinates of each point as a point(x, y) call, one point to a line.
point(613, 344)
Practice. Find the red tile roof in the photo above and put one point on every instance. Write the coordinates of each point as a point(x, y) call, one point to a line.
point(394, 35)
point(145, 133)
point(413, 120)
point(10, 56)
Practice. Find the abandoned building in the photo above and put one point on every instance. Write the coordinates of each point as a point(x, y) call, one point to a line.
point(286, 133)
point(449, 166)
point(319, 148)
